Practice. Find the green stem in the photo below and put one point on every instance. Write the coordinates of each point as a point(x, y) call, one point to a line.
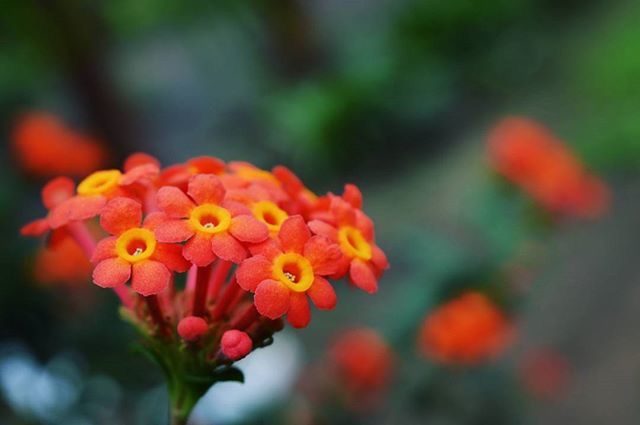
point(183, 397)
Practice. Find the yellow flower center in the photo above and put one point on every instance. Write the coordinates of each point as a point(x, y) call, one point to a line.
point(353, 244)
point(294, 271)
point(99, 182)
point(270, 214)
point(210, 219)
point(136, 244)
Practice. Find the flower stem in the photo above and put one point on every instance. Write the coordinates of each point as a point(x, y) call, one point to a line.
point(218, 278)
point(155, 311)
point(246, 318)
point(82, 236)
point(200, 295)
point(229, 294)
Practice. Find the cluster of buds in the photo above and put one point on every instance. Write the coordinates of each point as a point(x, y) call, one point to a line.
point(532, 158)
point(254, 246)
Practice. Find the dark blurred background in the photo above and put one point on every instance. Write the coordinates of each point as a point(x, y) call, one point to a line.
point(395, 96)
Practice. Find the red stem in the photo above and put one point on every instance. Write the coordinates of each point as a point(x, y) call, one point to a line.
point(218, 278)
point(200, 295)
point(155, 311)
point(81, 234)
point(228, 295)
point(246, 319)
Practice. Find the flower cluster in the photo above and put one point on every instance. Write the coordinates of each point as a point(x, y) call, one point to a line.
point(528, 155)
point(256, 246)
point(465, 330)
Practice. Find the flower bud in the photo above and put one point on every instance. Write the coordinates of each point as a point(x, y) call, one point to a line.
point(236, 344)
point(192, 327)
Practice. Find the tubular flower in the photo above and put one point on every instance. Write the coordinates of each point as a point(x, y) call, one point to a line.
point(362, 362)
point(353, 231)
point(300, 200)
point(531, 157)
point(93, 192)
point(54, 193)
point(44, 146)
point(287, 269)
point(212, 228)
point(241, 235)
point(466, 330)
point(179, 175)
point(133, 253)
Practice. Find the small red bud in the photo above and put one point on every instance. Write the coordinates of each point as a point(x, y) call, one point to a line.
point(236, 344)
point(192, 327)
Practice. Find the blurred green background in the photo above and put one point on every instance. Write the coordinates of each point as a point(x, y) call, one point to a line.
point(395, 96)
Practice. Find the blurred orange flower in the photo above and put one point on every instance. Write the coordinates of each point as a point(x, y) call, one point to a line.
point(44, 146)
point(64, 263)
point(363, 363)
point(466, 330)
point(530, 156)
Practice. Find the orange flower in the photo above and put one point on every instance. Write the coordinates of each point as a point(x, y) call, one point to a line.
point(45, 146)
point(466, 330)
point(530, 156)
point(363, 362)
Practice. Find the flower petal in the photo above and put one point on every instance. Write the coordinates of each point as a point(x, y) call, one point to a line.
point(363, 276)
point(171, 256)
point(57, 191)
point(150, 277)
point(272, 299)
point(322, 294)
point(345, 214)
point(291, 183)
point(198, 251)
point(111, 272)
point(106, 248)
point(324, 229)
point(143, 173)
point(121, 214)
point(139, 158)
point(268, 249)
point(299, 314)
point(206, 189)
point(173, 230)
point(293, 234)
point(352, 195)
point(35, 228)
point(365, 224)
point(174, 202)
point(323, 255)
point(252, 271)
point(379, 258)
point(207, 164)
point(85, 207)
point(247, 229)
point(228, 248)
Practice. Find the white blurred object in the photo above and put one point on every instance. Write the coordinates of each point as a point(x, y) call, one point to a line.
point(269, 374)
point(33, 390)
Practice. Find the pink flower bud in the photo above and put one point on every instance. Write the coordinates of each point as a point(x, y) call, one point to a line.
point(191, 328)
point(236, 344)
